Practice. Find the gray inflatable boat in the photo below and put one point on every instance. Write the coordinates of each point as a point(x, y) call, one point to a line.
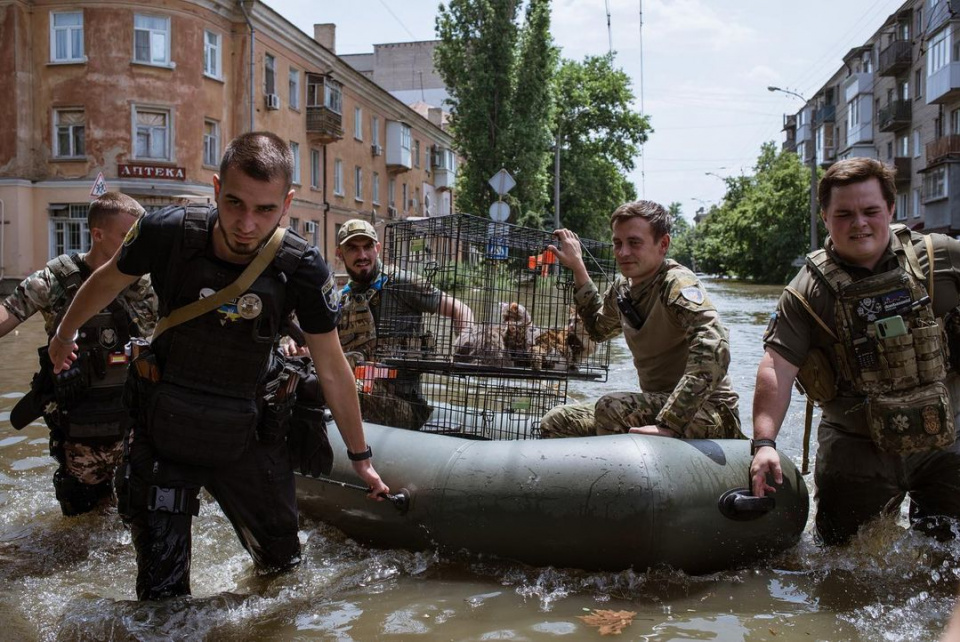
point(595, 503)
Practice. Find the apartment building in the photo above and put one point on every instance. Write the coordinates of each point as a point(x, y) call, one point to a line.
point(896, 98)
point(149, 93)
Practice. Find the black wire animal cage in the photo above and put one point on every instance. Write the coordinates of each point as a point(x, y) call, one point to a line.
point(497, 377)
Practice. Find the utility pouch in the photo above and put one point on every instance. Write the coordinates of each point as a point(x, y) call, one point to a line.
point(309, 446)
point(99, 417)
point(276, 418)
point(199, 429)
point(912, 420)
point(816, 378)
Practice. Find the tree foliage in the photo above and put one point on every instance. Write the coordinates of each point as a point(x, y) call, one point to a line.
point(600, 136)
point(499, 76)
point(681, 237)
point(763, 224)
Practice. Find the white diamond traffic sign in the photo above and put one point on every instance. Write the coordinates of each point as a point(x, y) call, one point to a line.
point(502, 182)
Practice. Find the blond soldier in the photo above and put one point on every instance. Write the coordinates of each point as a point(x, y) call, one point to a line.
point(83, 406)
point(679, 346)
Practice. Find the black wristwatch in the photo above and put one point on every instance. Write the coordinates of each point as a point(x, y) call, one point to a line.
point(366, 454)
point(756, 444)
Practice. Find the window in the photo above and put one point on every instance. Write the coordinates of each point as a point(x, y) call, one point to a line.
point(338, 177)
point(294, 225)
point(358, 183)
point(868, 62)
point(315, 168)
point(68, 127)
point(935, 184)
point(269, 74)
point(211, 54)
point(938, 51)
point(358, 123)
point(211, 143)
point(955, 122)
point(916, 202)
point(904, 91)
point(375, 130)
point(853, 113)
point(405, 138)
point(151, 39)
point(918, 83)
point(918, 13)
point(314, 233)
point(68, 228)
point(405, 193)
point(294, 99)
point(152, 133)
point(903, 146)
point(66, 37)
point(392, 192)
point(916, 143)
point(295, 150)
point(333, 96)
point(889, 150)
point(902, 206)
point(416, 153)
point(375, 186)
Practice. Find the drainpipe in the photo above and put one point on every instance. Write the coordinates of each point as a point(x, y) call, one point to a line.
point(252, 60)
point(326, 208)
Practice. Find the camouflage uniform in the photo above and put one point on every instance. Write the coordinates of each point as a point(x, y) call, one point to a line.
point(856, 481)
point(400, 299)
point(90, 463)
point(681, 353)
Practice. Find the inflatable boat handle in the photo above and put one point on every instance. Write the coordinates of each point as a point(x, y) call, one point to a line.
point(741, 505)
point(400, 501)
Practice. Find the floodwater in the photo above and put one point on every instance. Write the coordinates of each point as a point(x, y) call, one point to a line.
point(73, 579)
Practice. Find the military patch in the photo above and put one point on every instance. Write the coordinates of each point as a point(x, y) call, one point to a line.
point(771, 326)
point(692, 293)
point(329, 294)
point(108, 338)
point(133, 232)
point(931, 420)
point(249, 306)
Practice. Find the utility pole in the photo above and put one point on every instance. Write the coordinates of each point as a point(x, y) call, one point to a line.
point(814, 243)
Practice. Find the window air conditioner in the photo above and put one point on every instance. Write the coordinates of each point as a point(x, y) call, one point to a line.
point(310, 227)
point(273, 101)
point(392, 212)
point(376, 150)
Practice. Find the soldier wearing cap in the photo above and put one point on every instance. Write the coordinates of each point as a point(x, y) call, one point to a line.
point(680, 348)
point(364, 301)
point(83, 406)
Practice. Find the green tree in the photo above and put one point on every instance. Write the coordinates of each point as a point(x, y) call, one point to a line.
point(499, 79)
point(600, 136)
point(681, 245)
point(763, 224)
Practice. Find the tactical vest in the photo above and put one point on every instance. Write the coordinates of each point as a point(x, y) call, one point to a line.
point(891, 349)
point(226, 352)
point(89, 401)
point(358, 324)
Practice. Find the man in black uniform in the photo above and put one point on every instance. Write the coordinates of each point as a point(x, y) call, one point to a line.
point(202, 423)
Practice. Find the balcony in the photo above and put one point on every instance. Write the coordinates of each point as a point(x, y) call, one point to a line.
point(825, 114)
point(896, 58)
point(943, 85)
point(857, 84)
point(940, 13)
point(904, 168)
point(943, 148)
point(897, 115)
point(324, 125)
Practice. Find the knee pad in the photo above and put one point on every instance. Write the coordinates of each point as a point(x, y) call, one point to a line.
point(75, 497)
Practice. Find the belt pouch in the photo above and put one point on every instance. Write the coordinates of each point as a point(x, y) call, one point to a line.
point(912, 420)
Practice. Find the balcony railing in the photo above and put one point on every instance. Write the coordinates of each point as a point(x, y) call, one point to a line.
point(943, 148)
point(904, 168)
point(896, 58)
point(825, 114)
point(896, 115)
point(323, 124)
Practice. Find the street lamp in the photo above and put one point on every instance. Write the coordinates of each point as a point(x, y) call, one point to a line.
point(813, 177)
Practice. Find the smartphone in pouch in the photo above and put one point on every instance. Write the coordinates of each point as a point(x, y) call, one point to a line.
point(890, 327)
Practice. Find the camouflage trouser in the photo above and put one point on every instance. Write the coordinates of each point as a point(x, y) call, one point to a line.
point(620, 411)
point(92, 464)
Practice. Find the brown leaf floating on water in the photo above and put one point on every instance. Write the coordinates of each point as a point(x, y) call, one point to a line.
point(609, 622)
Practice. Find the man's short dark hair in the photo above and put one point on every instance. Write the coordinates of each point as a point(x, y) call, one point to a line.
point(655, 214)
point(260, 155)
point(857, 170)
point(111, 204)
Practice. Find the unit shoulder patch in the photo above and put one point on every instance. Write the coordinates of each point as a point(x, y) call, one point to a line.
point(692, 293)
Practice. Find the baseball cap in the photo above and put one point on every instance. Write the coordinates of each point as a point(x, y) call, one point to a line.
point(356, 227)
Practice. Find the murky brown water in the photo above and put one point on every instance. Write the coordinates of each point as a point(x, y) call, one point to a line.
point(72, 579)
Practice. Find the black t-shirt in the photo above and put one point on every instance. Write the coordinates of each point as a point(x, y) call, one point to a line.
point(153, 239)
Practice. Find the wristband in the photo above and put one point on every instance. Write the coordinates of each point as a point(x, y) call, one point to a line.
point(66, 342)
point(756, 444)
point(366, 454)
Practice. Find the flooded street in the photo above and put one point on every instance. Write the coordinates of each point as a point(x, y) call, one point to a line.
point(73, 579)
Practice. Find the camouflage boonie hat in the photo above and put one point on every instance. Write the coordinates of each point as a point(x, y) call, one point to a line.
point(356, 227)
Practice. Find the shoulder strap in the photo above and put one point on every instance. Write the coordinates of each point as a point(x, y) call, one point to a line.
point(929, 243)
point(66, 269)
point(244, 281)
point(290, 252)
point(834, 276)
point(806, 305)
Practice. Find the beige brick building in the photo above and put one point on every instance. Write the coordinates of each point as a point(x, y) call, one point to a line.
point(149, 93)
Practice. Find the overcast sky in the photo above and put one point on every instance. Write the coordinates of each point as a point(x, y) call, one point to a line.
point(704, 69)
